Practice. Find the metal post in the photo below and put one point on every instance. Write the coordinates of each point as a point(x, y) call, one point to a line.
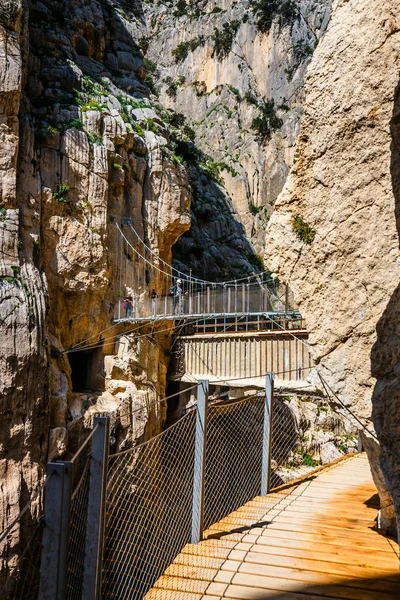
point(64, 542)
point(96, 509)
point(190, 292)
point(235, 296)
point(199, 462)
point(51, 543)
point(286, 298)
point(267, 435)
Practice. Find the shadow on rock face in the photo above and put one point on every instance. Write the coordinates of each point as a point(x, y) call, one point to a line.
point(385, 355)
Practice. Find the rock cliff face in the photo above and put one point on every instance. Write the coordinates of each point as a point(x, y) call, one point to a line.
point(83, 139)
point(183, 117)
point(89, 130)
point(227, 74)
point(72, 155)
point(333, 234)
point(385, 353)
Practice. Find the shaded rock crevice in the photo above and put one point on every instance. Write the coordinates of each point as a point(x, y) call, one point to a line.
point(385, 356)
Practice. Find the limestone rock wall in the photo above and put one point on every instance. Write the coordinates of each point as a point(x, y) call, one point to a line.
point(219, 95)
point(344, 187)
point(23, 289)
point(84, 138)
point(72, 155)
point(385, 354)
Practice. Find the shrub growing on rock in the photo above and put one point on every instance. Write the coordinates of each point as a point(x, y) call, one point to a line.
point(303, 50)
point(267, 11)
point(61, 194)
point(304, 232)
point(197, 42)
point(172, 87)
point(181, 52)
point(180, 9)
point(267, 122)
point(223, 38)
point(94, 137)
point(76, 124)
point(189, 132)
point(177, 120)
point(149, 65)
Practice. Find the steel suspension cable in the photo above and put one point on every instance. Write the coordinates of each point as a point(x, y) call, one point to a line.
point(202, 281)
point(118, 335)
point(328, 389)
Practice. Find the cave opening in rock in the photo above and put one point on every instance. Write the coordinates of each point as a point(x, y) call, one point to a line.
point(86, 370)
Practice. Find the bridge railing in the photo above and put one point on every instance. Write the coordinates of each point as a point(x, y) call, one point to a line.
point(165, 492)
point(198, 300)
point(73, 520)
point(240, 323)
point(113, 524)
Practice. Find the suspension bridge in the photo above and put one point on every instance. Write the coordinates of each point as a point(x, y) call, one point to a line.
point(147, 288)
point(237, 329)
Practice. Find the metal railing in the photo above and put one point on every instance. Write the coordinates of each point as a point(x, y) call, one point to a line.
point(197, 300)
point(113, 524)
point(165, 492)
point(74, 520)
point(239, 323)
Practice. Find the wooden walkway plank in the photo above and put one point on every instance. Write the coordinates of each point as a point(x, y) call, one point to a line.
point(305, 538)
point(308, 541)
point(332, 552)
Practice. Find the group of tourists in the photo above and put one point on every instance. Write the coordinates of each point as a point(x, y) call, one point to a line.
point(176, 292)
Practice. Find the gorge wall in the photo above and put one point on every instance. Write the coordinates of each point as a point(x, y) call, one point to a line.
point(333, 235)
point(240, 84)
point(83, 138)
point(89, 131)
point(184, 117)
point(71, 156)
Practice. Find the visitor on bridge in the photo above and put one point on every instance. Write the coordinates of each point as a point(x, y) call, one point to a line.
point(153, 296)
point(128, 306)
point(177, 292)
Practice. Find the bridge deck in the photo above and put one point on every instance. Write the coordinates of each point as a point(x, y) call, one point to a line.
point(313, 540)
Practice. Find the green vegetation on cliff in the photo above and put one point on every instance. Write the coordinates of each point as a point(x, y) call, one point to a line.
point(267, 11)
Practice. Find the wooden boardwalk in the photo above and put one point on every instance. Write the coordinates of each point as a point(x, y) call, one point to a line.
point(313, 540)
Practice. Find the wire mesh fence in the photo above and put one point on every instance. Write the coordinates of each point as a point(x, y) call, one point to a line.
point(77, 530)
point(233, 456)
point(153, 490)
point(148, 514)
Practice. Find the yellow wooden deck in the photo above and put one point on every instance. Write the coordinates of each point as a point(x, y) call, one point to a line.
point(314, 540)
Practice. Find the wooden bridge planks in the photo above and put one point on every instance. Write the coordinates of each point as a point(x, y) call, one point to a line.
point(314, 540)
